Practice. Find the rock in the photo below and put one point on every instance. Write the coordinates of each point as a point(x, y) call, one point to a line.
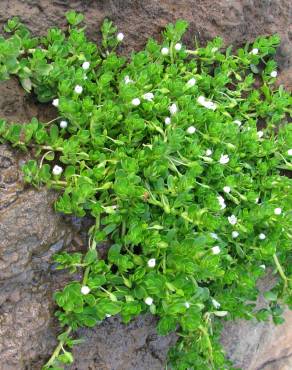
point(255, 345)
point(113, 345)
point(31, 232)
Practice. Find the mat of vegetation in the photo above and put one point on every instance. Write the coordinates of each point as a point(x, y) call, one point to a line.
point(164, 151)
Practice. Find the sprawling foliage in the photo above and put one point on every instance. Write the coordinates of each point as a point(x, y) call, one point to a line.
point(164, 151)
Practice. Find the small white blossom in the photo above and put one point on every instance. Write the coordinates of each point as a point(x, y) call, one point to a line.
point(224, 159)
point(85, 65)
point(257, 200)
point(263, 267)
point(274, 74)
point(262, 236)
point(136, 101)
point(232, 219)
point(178, 46)
point(254, 51)
point(208, 152)
point(148, 96)
point(108, 315)
point(191, 82)
point(151, 263)
point(63, 124)
point(55, 102)
point(57, 170)
point(235, 234)
point(187, 305)
point(227, 189)
point(85, 289)
point(120, 36)
point(206, 103)
point(164, 51)
point(277, 211)
point(78, 89)
point(215, 303)
point(214, 236)
point(260, 134)
point(173, 109)
point(237, 122)
point(289, 152)
point(167, 121)
point(148, 301)
point(216, 249)
point(191, 130)
point(221, 202)
point(127, 80)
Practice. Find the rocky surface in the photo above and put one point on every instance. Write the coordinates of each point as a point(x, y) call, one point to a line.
point(30, 232)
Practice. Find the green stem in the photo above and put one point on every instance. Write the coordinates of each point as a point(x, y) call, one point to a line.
point(57, 350)
point(280, 270)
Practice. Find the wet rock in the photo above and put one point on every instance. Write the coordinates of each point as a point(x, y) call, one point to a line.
point(30, 232)
point(113, 345)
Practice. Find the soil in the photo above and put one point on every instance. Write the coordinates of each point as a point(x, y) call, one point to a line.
point(30, 231)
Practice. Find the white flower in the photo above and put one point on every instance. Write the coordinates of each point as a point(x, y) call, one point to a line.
point(263, 267)
point(214, 236)
point(127, 80)
point(167, 121)
point(136, 101)
point(164, 51)
point(63, 124)
point(85, 65)
point(216, 249)
point(191, 82)
point(289, 152)
point(148, 96)
point(57, 170)
point(232, 219)
point(274, 74)
point(187, 305)
point(85, 289)
point(257, 200)
point(55, 102)
point(107, 315)
point(208, 152)
point(260, 134)
point(201, 100)
point(227, 189)
point(262, 236)
point(215, 303)
point(78, 89)
point(173, 109)
point(277, 211)
point(178, 46)
point(120, 36)
point(235, 234)
point(206, 103)
point(148, 301)
point(151, 263)
point(224, 159)
point(221, 202)
point(191, 130)
point(254, 51)
point(237, 122)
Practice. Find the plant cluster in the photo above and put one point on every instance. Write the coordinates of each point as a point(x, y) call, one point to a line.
point(163, 150)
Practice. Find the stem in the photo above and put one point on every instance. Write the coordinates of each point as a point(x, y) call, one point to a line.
point(57, 350)
point(209, 344)
point(280, 270)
